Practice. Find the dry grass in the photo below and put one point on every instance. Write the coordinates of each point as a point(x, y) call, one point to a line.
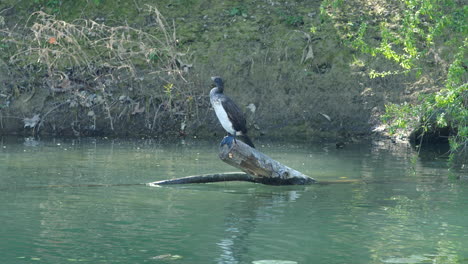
point(113, 73)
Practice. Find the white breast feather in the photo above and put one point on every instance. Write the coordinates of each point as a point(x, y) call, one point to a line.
point(222, 116)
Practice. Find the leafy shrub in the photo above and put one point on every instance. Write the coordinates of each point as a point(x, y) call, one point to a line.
point(410, 33)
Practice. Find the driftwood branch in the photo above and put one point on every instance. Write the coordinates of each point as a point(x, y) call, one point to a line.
point(262, 168)
point(258, 168)
point(206, 178)
point(217, 177)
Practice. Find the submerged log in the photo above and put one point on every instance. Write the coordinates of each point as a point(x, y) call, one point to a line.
point(262, 168)
point(206, 178)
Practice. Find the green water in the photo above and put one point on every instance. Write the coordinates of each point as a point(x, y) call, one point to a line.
point(410, 210)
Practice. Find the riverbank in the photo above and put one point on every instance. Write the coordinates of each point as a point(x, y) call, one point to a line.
point(144, 71)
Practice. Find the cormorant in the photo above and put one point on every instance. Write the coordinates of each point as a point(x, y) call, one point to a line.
point(229, 114)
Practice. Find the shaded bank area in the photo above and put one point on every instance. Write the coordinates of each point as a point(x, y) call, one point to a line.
point(133, 69)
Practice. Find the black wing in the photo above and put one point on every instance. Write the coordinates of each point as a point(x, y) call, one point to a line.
point(234, 114)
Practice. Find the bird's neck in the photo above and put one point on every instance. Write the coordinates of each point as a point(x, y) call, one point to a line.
point(220, 88)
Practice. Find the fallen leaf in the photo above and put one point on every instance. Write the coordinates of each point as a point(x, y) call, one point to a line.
point(52, 40)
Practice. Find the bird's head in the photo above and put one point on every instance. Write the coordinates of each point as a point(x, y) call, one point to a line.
point(218, 82)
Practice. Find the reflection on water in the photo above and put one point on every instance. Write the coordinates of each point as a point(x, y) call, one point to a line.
point(407, 210)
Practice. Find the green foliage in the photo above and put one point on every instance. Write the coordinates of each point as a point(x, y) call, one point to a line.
point(294, 20)
point(313, 29)
point(54, 6)
point(168, 89)
point(375, 74)
point(153, 57)
point(399, 116)
point(51, 6)
point(445, 108)
point(409, 33)
point(238, 11)
point(289, 19)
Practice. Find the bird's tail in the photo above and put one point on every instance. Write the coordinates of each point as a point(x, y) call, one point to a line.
point(247, 140)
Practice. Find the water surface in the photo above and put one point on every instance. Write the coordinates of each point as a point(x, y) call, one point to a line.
point(55, 209)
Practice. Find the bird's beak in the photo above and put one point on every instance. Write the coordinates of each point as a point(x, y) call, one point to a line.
point(213, 78)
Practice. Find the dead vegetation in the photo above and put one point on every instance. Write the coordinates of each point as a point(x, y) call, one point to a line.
point(106, 77)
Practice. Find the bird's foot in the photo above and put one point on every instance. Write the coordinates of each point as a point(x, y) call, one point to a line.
point(228, 140)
